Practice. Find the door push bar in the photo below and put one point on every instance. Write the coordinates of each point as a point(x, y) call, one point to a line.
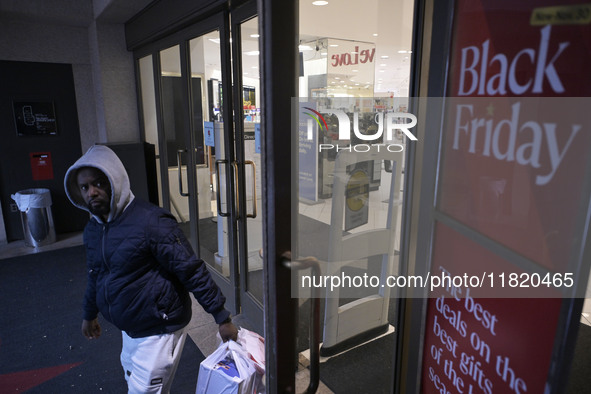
point(235, 165)
point(237, 197)
point(219, 191)
point(254, 190)
point(178, 163)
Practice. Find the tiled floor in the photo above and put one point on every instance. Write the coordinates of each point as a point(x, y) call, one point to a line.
point(18, 248)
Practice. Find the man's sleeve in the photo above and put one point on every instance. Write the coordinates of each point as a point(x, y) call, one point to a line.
point(174, 252)
point(89, 306)
point(90, 310)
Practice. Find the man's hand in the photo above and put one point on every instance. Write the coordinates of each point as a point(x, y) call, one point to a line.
point(91, 329)
point(228, 331)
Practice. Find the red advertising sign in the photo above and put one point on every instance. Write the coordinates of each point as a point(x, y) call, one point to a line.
point(513, 167)
point(483, 345)
point(514, 170)
point(525, 49)
point(516, 144)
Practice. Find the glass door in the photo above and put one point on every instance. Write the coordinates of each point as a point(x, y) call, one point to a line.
point(354, 74)
point(212, 178)
point(245, 48)
point(184, 80)
point(202, 111)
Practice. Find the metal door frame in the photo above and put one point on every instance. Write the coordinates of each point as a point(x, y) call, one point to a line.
point(220, 22)
point(250, 306)
point(278, 43)
point(432, 37)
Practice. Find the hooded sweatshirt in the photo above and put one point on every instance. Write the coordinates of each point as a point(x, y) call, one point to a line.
point(104, 159)
point(141, 267)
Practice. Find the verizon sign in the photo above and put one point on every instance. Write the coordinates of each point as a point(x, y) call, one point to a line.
point(351, 62)
point(353, 58)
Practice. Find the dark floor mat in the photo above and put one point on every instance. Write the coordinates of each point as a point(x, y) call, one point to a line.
point(581, 367)
point(41, 347)
point(365, 369)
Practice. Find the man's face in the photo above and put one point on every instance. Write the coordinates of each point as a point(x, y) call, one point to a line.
point(95, 189)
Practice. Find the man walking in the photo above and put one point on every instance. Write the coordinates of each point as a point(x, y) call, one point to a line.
point(141, 269)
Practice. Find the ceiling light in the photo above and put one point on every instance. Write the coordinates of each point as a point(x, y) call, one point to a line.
point(252, 53)
point(305, 48)
point(401, 51)
point(381, 71)
point(385, 57)
point(375, 34)
point(319, 2)
point(337, 78)
point(333, 45)
point(354, 71)
point(255, 35)
point(383, 65)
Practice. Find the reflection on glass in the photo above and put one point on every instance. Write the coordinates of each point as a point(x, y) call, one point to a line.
point(252, 153)
point(149, 111)
point(354, 57)
point(207, 134)
point(172, 120)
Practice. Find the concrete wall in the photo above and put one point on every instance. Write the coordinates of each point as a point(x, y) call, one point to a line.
point(53, 31)
point(114, 84)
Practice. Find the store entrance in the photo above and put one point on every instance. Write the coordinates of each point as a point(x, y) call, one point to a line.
point(201, 110)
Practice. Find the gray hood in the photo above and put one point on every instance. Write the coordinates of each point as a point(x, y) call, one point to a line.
point(104, 159)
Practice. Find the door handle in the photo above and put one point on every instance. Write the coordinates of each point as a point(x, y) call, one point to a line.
point(237, 194)
point(178, 163)
point(219, 190)
point(254, 190)
point(314, 264)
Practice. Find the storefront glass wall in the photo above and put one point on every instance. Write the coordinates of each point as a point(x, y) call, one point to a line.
point(354, 60)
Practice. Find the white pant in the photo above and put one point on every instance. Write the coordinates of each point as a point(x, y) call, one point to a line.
point(149, 363)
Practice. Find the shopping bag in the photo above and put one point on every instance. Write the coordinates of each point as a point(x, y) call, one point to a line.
point(228, 370)
point(254, 345)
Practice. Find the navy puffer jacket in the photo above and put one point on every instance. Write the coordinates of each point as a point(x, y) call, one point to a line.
point(141, 267)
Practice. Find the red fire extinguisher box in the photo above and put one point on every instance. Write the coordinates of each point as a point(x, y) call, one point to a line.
point(41, 166)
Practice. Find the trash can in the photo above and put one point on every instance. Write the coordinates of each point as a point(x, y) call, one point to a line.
point(37, 220)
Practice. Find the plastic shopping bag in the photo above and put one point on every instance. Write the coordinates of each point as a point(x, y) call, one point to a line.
point(254, 345)
point(228, 370)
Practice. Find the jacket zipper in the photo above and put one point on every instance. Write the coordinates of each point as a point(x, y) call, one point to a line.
point(108, 268)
